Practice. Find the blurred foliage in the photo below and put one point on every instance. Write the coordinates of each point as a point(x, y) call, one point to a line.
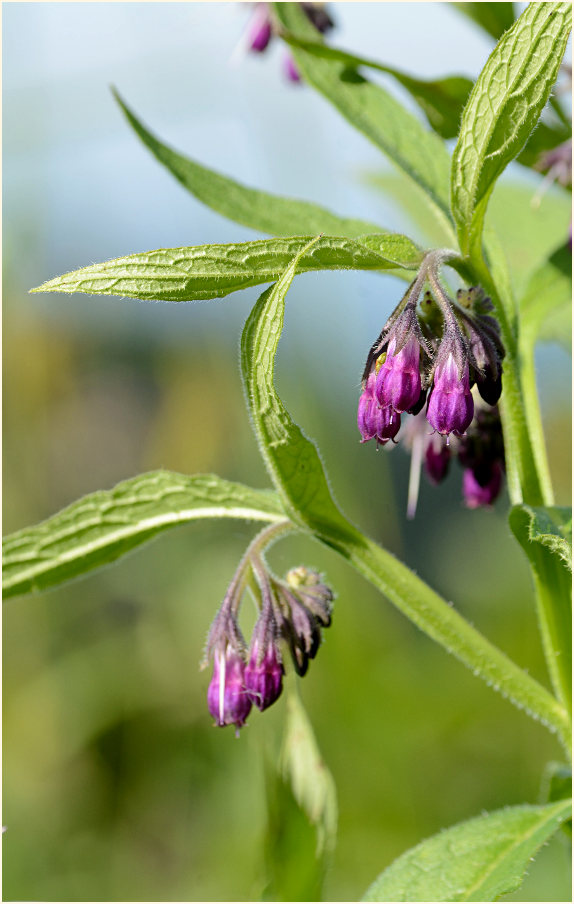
point(116, 785)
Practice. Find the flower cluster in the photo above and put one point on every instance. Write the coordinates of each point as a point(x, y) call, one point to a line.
point(433, 354)
point(260, 32)
point(292, 613)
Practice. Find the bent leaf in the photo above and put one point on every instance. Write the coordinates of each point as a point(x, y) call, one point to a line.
point(213, 271)
point(548, 526)
point(370, 109)
point(291, 459)
point(503, 109)
point(441, 100)
point(103, 526)
point(256, 209)
point(477, 860)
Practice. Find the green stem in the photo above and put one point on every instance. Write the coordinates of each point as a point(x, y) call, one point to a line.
point(553, 585)
point(446, 626)
point(534, 417)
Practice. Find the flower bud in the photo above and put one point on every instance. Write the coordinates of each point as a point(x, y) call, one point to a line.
point(290, 69)
point(481, 489)
point(450, 408)
point(436, 459)
point(227, 699)
point(398, 383)
point(260, 35)
point(264, 671)
point(374, 421)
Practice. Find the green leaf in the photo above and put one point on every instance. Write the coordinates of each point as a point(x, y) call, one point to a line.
point(495, 18)
point(301, 812)
point(212, 271)
point(478, 860)
point(259, 210)
point(546, 307)
point(372, 110)
point(103, 526)
point(441, 100)
point(545, 534)
point(503, 109)
point(292, 460)
point(295, 468)
point(550, 527)
point(312, 783)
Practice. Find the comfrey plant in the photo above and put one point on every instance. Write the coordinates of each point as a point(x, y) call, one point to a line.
point(451, 376)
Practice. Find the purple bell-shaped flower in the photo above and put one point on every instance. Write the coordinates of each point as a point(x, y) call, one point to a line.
point(264, 671)
point(480, 489)
point(398, 382)
point(227, 699)
point(451, 407)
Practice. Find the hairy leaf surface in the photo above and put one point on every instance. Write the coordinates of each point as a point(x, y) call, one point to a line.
point(372, 110)
point(478, 860)
point(103, 526)
point(213, 271)
point(259, 210)
point(503, 109)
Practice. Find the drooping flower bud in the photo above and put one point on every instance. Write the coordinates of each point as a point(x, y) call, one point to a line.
point(317, 597)
point(264, 671)
point(398, 383)
point(374, 421)
point(451, 407)
point(227, 699)
point(481, 489)
point(260, 31)
point(290, 69)
point(436, 459)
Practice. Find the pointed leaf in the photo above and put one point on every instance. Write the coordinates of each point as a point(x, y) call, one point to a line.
point(212, 271)
point(477, 860)
point(503, 109)
point(441, 100)
point(259, 210)
point(372, 110)
point(103, 526)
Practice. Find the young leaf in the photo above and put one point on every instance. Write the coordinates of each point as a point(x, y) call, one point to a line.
point(212, 271)
point(478, 860)
point(495, 18)
point(372, 110)
point(503, 109)
point(103, 526)
point(545, 534)
point(295, 468)
point(256, 209)
point(441, 100)
point(312, 783)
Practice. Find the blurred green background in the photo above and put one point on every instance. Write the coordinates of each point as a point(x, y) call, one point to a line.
point(116, 785)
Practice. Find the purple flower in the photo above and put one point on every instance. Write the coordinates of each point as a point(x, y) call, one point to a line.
point(481, 489)
point(260, 35)
point(374, 421)
point(264, 676)
point(436, 459)
point(398, 382)
point(228, 702)
point(450, 408)
point(290, 69)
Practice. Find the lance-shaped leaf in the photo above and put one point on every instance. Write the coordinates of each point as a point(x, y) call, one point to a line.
point(370, 109)
point(477, 860)
point(503, 109)
point(259, 210)
point(296, 470)
point(212, 271)
point(441, 100)
point(103, 526)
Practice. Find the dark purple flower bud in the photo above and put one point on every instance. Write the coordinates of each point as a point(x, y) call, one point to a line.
point(450, 408)
point(260, 31)
point(437, 459)
point(398, 382)
point(479, 489)
point(318, 16)
point(264, 676)
point(227, 699)
point(374, 421)
point(316, 596)
point(291, 70)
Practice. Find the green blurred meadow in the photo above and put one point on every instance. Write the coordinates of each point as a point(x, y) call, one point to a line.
point(116, 784)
